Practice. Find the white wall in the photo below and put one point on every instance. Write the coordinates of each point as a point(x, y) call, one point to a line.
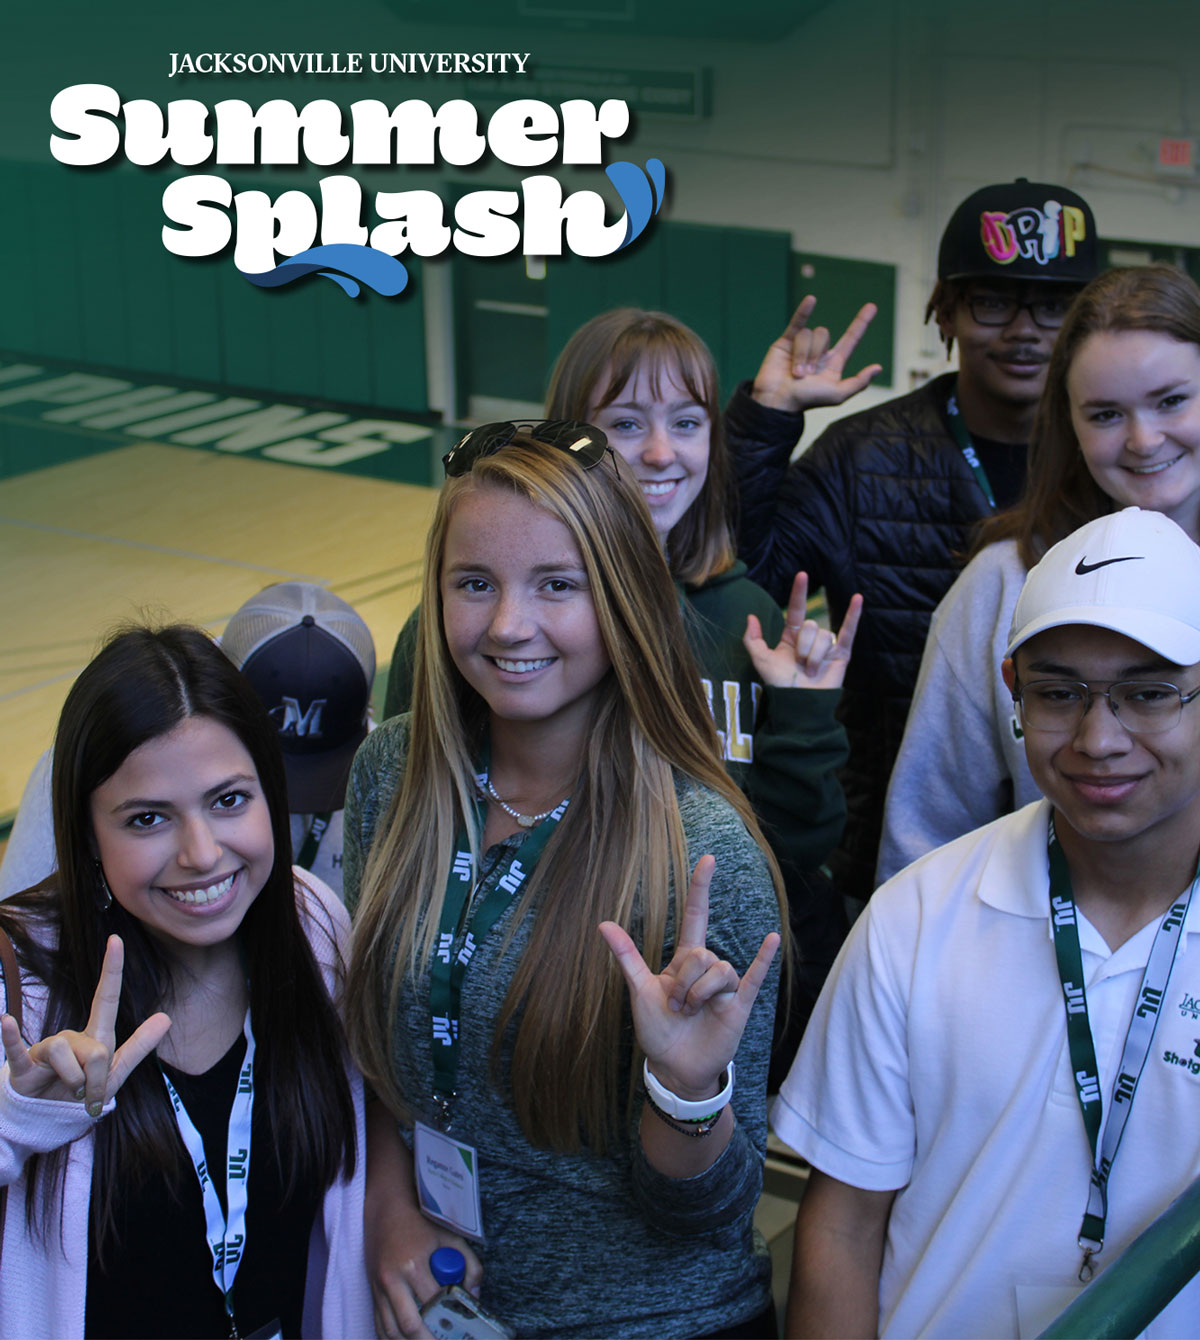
point(863, 129)
point(857, 132)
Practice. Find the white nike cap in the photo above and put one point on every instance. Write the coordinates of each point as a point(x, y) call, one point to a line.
point(1135, 572)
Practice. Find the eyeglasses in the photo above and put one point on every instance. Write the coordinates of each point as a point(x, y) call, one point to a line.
point(1061, 704)
point(586, 443)
point(995, 309)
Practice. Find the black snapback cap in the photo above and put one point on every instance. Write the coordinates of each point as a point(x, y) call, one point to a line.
point(1021, 230)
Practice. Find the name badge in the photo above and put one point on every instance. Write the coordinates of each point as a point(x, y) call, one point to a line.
point(447, 1173)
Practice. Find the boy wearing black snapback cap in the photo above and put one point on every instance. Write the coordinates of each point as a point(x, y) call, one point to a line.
point(884, 500)
point(999, 1086)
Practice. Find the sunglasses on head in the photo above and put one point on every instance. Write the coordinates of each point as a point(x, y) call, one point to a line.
point(586, 443)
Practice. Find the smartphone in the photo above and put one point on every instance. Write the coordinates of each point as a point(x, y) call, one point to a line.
point(453, 1314)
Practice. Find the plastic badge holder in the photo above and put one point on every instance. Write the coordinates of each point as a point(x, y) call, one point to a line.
point(452, 1314)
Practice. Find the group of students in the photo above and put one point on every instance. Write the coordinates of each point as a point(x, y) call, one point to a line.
point(1116, 400)
point(583, 859)
point(561, 812)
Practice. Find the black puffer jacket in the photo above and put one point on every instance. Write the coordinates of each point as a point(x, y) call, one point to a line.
point(883, 503)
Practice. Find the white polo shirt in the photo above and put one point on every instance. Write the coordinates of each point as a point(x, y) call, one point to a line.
point(936, 1064)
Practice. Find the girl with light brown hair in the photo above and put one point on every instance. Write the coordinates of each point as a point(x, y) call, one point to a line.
point(532, 995)
point(772, 681)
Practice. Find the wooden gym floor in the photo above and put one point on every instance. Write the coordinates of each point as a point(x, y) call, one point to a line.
point(147, 530)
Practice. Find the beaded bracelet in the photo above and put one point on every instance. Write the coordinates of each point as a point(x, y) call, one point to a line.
point(695, 1128)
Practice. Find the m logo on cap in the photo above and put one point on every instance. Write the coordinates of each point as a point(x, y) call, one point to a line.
point(1083, 567)
point(307, 724)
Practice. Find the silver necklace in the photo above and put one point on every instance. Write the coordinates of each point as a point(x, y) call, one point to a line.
point(525, 820)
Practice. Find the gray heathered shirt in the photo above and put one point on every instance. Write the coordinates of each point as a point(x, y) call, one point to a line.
point(962, 761)
point(580, 1245)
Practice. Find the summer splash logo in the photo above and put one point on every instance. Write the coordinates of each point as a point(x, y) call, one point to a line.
point(1038, 235)
point(205, 213)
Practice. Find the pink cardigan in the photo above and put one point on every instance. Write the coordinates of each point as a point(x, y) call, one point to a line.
point(43, 1286)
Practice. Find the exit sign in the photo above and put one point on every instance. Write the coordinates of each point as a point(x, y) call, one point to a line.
point(1177, 157)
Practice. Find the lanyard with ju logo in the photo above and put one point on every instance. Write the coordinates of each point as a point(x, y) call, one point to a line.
point(312, 842)
point(464, 926)
point(967, 447)
point(226, 1232)
point(1082, 1049)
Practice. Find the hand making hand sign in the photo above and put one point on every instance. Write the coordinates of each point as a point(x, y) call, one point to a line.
point(801, 371)
point(690, 1017)
point(807, 655)
point(88, 1066)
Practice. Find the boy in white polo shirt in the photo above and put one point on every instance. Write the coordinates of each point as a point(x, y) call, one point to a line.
point(1022, 1006)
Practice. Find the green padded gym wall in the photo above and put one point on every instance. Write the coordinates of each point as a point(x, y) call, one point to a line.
point(146, 311)
point(729, 284)
point(841, 287)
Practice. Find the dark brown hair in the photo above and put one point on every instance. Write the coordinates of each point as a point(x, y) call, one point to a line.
point(142, 685)
point(942, 302)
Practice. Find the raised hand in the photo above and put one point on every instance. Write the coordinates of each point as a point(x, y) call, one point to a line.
point(84, 1067)
point(800, 370)
point(807, 656)
point(690, 1017)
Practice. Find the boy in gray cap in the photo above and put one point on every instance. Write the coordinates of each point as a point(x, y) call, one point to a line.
point(999, 1085)
point(311, 660)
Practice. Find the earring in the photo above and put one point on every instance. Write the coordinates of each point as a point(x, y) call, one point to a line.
point(105, 897)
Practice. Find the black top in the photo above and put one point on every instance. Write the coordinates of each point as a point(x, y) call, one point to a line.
point(883, 502)
point(1005, 466)
point(157, 1280)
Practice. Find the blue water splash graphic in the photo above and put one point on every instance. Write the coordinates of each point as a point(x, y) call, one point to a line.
point(379, 271)
point(641, 191)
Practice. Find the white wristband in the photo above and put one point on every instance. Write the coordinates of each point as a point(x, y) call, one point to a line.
point(680, 1108)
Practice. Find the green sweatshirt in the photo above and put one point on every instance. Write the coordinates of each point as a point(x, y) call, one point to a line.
point(783, 747)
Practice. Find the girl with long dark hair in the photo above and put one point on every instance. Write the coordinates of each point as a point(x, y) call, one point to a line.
point(174, 956)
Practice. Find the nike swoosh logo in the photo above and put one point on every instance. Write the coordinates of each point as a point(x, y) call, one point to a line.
point(1083, 567)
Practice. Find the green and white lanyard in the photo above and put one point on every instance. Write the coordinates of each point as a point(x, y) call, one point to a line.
point(464, 926)
point(226, 1232)
point(1082, 1049)
point(312, 841)
point(967, 447)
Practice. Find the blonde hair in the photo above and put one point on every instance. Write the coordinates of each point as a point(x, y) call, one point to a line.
point(600, 359)
point(620, 848)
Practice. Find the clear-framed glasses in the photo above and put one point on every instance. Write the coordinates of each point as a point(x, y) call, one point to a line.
point(998, 309)
point(585, 442)
point(1061, 704)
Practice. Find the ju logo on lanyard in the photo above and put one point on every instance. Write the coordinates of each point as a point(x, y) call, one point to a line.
point(959, 429)
point(463, 927)
point(226, 1233)
point(1065, 927)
